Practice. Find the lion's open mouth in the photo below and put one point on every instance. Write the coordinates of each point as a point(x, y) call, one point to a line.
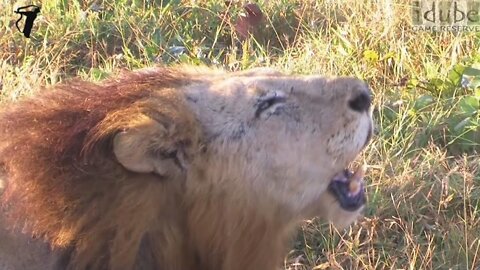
point(348, 188)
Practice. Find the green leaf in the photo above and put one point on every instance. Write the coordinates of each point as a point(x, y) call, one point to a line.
point(474, 84)
point(458, 128)
point(437, 82)
point(98, 74)
point(390, 113)
point(151, 51)
point(423, 101)
point(438, 86)
point(412, 83)
point(184, 58)
point(455, 75)
point(469, 105)
point(470, 71)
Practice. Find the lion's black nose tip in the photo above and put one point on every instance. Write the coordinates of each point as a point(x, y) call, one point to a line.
point(360, 103)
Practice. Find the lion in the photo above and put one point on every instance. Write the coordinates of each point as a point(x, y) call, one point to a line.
point(178, 168)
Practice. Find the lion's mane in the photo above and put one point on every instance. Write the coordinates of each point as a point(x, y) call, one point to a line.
point(56, 149)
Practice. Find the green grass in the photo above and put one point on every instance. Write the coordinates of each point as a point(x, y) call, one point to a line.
point(424, 178)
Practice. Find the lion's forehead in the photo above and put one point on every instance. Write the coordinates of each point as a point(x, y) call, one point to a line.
point(316, 102)
point(220, 101)
point(247, 88)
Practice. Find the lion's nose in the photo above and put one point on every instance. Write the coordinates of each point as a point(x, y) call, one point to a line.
point(360, 103)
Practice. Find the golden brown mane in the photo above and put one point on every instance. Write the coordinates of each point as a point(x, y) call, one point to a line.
point(51, 144)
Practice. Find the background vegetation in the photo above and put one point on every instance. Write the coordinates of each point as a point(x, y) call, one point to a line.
point(424, 178)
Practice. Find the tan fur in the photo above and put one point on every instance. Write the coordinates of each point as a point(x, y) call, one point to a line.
point(175, 168)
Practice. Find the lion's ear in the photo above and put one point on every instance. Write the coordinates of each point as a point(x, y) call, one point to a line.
point(148, 146)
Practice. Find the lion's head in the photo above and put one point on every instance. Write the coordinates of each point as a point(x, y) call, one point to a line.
point(85, 161)
point(281, 136)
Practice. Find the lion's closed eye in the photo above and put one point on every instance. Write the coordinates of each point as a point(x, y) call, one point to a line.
point(269, 103)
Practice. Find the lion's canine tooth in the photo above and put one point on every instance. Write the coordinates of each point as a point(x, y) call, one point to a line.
point(356, 180)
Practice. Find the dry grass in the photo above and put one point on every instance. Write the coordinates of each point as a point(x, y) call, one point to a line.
point(424, 198)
